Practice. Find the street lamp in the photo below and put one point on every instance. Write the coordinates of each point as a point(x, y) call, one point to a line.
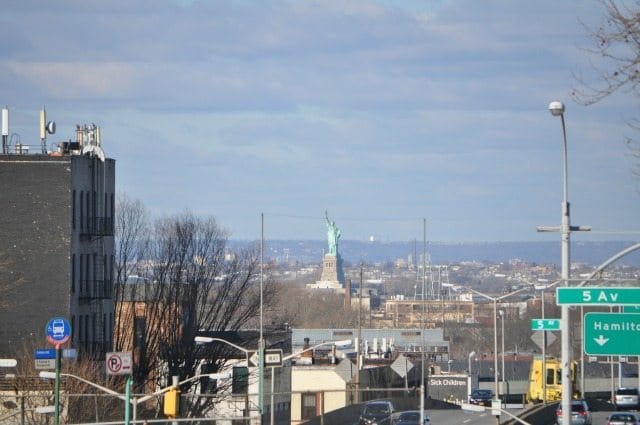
point(495, 326)
point(45, 374)
point(557, 110)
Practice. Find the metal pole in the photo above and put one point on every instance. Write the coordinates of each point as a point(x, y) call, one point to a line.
point(544, 357)
point(502, 336)
point(56, 395)
point(582, 353)
point(271, 409)
point(424, 261)
point(495, 345)
point(127, 402)
point(261, 342)
point(565, 324)
point(359, 344)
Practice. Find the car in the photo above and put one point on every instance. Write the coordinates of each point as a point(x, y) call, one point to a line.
point(626, 418)
point(411, 417)
point(626, 398)
point(580, 413)
point(481, 397)
point(374, 412)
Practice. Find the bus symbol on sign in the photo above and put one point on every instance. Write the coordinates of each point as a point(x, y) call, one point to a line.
point(58, 331)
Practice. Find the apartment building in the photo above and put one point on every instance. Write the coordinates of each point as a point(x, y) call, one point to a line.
point(57, 242)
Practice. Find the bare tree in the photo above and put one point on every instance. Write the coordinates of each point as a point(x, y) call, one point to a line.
point(186, 281)
point(617, 41)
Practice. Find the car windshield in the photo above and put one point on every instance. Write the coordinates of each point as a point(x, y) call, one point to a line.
point(376, 408)
point(413, 416)
point(622, 417)
point(481, 393)
point(577, 408)
point(627, 391)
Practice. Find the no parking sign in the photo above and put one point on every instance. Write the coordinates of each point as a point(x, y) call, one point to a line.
point(119, 363)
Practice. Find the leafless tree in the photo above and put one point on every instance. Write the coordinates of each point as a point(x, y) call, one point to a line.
point(186, 281)
point(617, 41)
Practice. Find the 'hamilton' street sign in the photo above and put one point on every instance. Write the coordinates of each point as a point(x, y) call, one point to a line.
point(612, 334)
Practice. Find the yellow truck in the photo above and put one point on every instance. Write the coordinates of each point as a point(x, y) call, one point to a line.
point(553, 376)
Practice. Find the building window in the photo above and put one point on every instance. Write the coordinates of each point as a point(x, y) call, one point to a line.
point(81, 210)
point(73, 210)
point(73, 273)
point(240, 380)
point(309, 405)
point(80, 328)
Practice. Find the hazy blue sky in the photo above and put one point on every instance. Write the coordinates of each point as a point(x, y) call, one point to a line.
point(383, 112)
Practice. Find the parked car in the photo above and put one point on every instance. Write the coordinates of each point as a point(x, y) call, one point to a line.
point(481, 397)
point(411, 417)
point(626, 398)
point(580, 413)
point(626, 418)
point(374, 412)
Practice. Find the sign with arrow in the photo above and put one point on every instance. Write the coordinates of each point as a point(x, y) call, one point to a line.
point(612, 334)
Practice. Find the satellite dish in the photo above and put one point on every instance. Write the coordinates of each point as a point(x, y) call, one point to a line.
point(51, 127)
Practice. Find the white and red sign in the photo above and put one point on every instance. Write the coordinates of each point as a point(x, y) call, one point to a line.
point(119, 363)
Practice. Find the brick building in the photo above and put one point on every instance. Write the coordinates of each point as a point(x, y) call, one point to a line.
point(57, 244)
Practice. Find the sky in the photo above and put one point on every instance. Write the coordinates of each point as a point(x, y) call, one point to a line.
point(267, 114)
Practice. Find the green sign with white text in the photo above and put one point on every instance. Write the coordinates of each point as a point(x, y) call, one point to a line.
point(545, 324)
point(612, 334)
point(597, 296)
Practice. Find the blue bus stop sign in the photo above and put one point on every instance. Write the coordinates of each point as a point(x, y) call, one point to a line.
point(58, 331)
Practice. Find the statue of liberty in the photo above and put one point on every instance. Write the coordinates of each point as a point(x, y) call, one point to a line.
point(333, 234)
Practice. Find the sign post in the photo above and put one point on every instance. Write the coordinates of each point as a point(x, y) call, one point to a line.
point(58, 331)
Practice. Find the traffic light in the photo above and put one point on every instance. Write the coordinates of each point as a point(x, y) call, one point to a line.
point(172, 403)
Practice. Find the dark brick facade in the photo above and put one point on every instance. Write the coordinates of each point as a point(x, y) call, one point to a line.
point(39, 237)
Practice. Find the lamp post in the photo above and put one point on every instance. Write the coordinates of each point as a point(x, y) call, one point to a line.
point(135, 401)
point(502, 337)
point(495, 327)
point(557, 110)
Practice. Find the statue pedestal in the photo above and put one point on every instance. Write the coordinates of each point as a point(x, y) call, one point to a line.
point(332, 274)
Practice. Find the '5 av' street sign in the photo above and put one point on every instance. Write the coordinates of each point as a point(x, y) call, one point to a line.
point(598, 296)
point(612, 334)
point(545, 324)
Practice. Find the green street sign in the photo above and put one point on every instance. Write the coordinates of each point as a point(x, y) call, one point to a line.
point(597, 296)
point(545, 324)
point(631, 309)
point(612, 334)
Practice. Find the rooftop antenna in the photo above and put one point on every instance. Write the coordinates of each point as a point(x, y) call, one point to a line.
point(46, 127)
point(5, 130)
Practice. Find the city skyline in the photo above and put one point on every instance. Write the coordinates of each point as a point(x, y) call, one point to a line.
point(383, 113)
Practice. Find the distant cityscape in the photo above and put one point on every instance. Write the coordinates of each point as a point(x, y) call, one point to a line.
point(589, 253)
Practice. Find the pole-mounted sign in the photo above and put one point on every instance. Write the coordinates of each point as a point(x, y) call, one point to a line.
point(58, 331)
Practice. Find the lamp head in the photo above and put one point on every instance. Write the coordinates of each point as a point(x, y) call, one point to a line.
point(472, 354)
point(556, 108)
